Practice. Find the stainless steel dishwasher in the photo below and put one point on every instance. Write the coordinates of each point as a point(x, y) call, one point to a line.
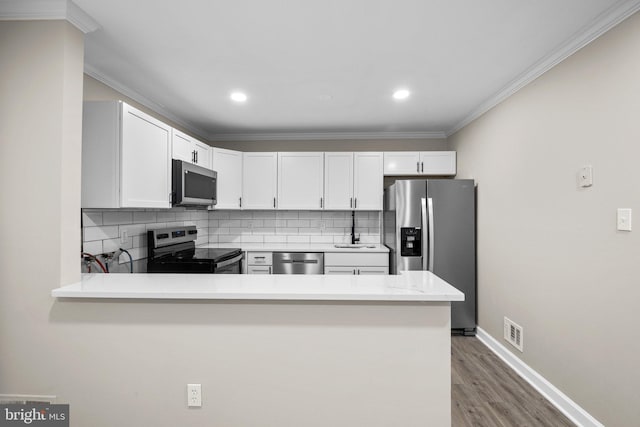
point(298, 263)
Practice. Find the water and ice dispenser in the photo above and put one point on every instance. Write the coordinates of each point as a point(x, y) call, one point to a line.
point(410, 241)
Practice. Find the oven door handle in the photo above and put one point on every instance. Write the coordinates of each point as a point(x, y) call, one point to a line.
point(229, 261)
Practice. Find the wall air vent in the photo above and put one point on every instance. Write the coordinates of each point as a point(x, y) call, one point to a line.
point(513, 333)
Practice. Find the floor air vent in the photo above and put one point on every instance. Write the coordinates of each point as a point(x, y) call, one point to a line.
point(513, 333)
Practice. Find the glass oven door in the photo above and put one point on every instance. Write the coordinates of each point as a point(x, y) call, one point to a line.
point(229, 266)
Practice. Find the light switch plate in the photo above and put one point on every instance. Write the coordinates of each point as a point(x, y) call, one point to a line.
point(624, 219)
point(585, 176)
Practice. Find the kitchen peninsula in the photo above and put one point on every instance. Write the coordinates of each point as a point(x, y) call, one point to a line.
point(351, 350)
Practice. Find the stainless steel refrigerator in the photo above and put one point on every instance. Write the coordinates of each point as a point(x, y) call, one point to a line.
point(430, 225)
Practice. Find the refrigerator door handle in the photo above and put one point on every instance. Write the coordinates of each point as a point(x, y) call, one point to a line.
point(431, 235)
point(423, 216)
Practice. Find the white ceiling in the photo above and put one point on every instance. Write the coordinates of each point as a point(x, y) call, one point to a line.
point(331, 66)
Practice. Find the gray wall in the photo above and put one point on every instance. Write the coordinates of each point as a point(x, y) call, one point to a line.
point(40, 147)
point(549, 255)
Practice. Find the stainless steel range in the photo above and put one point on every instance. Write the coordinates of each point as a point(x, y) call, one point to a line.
point(173, 250)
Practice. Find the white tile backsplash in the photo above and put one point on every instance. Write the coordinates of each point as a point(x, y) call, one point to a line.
point(117, 217)
point(90, 219)
point(144, 217)
point(102, 229)
point(100, 233)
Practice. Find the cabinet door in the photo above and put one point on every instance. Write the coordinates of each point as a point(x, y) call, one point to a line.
point(438, 162)
point(401, 163)
point(181, 146)
point(202, 156)
point(368, 181)
point(340, 270)
point(145, 173)
point(300, 180)
point(228, 165)
point(338, 181)
point(372, 270)
point(259, 180)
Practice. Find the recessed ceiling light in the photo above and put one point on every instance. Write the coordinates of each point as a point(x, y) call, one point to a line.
point(401, 94)
point(238, 97)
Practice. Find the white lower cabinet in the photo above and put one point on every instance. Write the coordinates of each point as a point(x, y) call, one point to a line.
point(258, 269)
point(259, 262)
point(355, 270)
point(356, 263)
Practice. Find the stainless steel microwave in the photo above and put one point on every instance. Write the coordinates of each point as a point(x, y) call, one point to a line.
point(193, 185)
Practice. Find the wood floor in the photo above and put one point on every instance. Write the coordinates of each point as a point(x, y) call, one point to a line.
point(486, 392)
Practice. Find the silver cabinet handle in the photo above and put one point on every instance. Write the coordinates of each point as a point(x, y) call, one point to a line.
point(274, 202)
point(351, 202)
point(320, 201)
point(355, 203)
point(196, 153)
point(422, 167)
point(240, 202)
point(417, 166)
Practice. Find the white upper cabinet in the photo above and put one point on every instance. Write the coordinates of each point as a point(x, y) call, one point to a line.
point(228, 165)
point(401, 163)
point(368, 177)
point(438, 162)
point(259, 180)
point(202, 153)
point(190, 149)
point(420, 163)
point(338, 180)
point(353, 181)
point(300, 180)
point(126, 158)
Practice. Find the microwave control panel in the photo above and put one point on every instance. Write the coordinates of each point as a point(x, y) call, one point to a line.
point(410, 241)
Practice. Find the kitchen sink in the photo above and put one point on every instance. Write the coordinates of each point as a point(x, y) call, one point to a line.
point(353, 246)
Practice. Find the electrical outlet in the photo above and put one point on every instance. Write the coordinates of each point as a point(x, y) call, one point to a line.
point(194, 395)
point(124, 236)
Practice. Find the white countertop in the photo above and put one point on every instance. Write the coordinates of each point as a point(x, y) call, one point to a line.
point(408, 286)
point(298, 247)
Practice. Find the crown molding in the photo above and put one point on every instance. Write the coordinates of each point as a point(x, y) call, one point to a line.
point(600, 25)
point(323, 136)
point(136, 96)
point(34, 10)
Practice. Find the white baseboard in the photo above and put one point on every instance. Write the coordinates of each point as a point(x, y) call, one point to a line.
point(568, 407)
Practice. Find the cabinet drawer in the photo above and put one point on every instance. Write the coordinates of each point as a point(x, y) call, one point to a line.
point(372, 270)
point(359, 259)
point(259, 269)
point(259, 258)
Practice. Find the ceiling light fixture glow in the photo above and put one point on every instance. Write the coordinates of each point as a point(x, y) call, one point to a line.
point(238, 97)
point(401, 94)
